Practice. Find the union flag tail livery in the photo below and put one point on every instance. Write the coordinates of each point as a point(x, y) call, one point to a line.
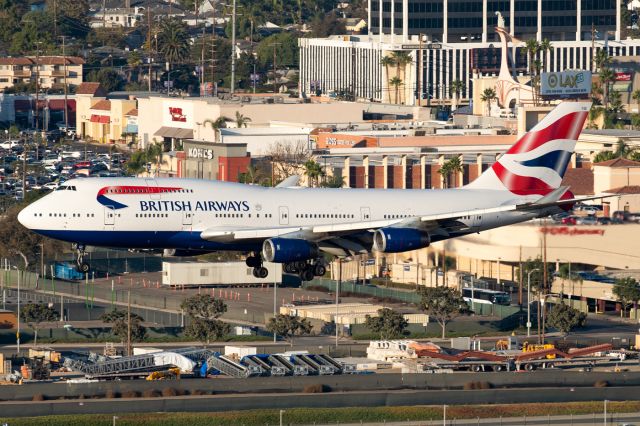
point(536, 163)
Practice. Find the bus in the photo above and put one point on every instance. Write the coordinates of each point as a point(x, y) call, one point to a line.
point(489, 297)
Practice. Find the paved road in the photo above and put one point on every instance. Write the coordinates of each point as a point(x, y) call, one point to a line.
point(335, 399)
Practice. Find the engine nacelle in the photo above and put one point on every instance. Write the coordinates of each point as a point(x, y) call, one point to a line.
point(397, 240)
point(285, 250)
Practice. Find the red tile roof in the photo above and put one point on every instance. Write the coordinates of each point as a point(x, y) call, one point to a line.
point(90, 88)
point(580, 181)
point(133, 112)
point(631, 189)
point(103, 105)
point(57, 60)
point(16, 61)
point(618, 162)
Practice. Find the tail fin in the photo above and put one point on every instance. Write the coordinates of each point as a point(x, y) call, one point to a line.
point(537, 162)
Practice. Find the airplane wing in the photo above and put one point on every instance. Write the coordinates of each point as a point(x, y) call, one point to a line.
point(343, 239)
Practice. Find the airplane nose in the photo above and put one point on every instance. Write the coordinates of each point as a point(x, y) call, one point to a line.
point(24, 216)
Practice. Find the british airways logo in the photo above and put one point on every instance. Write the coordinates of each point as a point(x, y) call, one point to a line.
point(106, 198)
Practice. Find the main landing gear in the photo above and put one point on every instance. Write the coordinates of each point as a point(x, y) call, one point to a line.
point(307, 270)
point(81, 265)
point(255, 261)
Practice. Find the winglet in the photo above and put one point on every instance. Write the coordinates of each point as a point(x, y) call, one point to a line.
point(289, 182)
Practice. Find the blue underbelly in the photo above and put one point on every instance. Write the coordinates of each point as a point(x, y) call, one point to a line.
point(145, 239)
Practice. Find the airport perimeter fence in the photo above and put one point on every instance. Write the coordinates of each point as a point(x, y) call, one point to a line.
point(405, 296)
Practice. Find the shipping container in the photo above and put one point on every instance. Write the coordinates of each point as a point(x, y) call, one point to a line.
point(193, 273)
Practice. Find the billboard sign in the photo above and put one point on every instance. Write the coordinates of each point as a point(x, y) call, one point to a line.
point(565, 83)
point(623, 76)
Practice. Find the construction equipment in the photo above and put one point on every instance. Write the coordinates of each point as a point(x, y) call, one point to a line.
point(170, 374)
point(530, 347)
point(39, 369)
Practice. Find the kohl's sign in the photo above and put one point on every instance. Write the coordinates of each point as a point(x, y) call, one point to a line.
point(200, 153)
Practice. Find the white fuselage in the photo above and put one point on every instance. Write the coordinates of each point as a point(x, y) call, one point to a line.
point(172, 213)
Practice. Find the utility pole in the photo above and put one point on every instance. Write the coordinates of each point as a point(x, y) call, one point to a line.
point(233, 48)
point(66, 113)
point(149, 40)
point(104, 13)
point(544, 278)
point(55, 18)
point(275, 77)
point(253, 77)
point(593, 48)
point(37, 84)
point(129, 323)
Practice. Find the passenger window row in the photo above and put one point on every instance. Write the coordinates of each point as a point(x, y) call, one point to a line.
point(324, 216)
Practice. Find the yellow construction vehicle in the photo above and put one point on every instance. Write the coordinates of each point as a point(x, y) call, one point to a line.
point(170, 374)
point(531, 347)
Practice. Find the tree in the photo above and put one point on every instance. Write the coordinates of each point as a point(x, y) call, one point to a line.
point(565, 318)
point(401, 60)
point(314, 171)
point(457, 87)
point(627, 292)
point(487, 96)
point(241, 120)
point(602, 59)
point(287, 159)
point(36, 313)
point(203, 312)
point(109, 79)
point(453, 165)
point(173, 41)
point(286, 51)
point(334, 181)
point(387, 61)
point(396, 82)
point(288, 326)
point(119, 327)
point(389, 324)
point(607, 76)
point(636, 97)
point(326, 25)
point(531, 49)
point(443, 304)
point(217, 124)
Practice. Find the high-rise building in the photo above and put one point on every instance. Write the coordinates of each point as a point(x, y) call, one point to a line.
point(455, 21)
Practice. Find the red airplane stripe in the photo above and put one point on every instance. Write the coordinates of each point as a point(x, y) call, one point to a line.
point(567, 127)
point(139, 189)
point(520, 185)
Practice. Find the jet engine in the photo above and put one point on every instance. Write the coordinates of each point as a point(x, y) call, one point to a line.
point(285, 250)
point(397, 240)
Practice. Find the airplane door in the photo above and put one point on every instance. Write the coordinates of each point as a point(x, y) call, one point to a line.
point(365, 213)
point(284, 215)
point(476, 220)
point(187, 219)
point(109, 216)
point(154, 194)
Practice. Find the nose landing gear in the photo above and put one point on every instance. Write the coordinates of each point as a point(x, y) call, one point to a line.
point(81, 265)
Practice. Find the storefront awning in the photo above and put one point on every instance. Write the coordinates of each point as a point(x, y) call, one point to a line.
point(174, 132)
point(95, 118)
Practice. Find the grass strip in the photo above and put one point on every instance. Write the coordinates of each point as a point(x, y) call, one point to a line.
point(309, 416)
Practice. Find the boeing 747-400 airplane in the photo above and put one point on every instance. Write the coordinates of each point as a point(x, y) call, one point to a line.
point(294, 225)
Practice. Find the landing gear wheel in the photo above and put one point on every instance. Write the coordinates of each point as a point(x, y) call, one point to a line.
point(319, 270)
point(300, 265)
point(290, 268)
point(253, 262)
point(260, 272)
point(84, 267)
point(306, 275)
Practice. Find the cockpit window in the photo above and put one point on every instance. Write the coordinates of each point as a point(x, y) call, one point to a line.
point(61, 188)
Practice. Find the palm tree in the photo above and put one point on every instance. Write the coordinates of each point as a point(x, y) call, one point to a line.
point(387, 61)
point(531, 49)
point(636, 97)
point(401, 59)
point(487, 96)
point(241, 120)
point(154, 153)
point(173, 41)
point(217, 124)
point(545, 48)
point(313, 170)
point(453, 165)
point(457, 87)
point(602, 59)
point(607, 76)
point(396, 82)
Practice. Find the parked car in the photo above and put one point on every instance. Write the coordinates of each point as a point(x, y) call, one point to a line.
point(604, 221)
point(587, 220)
point(569, 220)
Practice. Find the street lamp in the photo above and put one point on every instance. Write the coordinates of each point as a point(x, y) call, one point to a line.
point(529, 300)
